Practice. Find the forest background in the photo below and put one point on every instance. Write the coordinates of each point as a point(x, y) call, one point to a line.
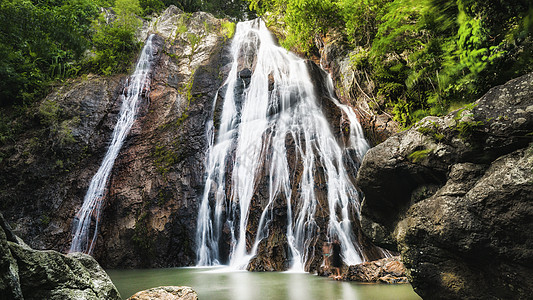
point(422, 57)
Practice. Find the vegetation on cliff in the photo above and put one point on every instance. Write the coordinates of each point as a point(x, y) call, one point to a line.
point(423, 57)
point(42, 42)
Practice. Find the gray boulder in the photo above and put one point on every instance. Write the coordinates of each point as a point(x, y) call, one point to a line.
point(31, 274)
point(454, 196)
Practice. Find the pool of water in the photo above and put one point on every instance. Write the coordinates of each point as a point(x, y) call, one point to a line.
point(222, 284)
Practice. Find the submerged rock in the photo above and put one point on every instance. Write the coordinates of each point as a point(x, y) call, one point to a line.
point(166, 293)
point(31, 274)
point(454, 196)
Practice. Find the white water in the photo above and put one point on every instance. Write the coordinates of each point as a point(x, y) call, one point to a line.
point(86, 221)
point(252, 134)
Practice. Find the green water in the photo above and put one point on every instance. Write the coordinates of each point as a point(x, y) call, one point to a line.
point(213, 283)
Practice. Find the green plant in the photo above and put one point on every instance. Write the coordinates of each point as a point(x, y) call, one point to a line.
point(422, 57)
point(432, 131)
point(419, 155)
point(49, 112)
point(41, 41)
point(465, 129)
point(45, 220)
point(114, 43)
point(228, 29)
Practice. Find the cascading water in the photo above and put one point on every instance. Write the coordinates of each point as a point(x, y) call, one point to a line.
point(272, 101)
point(85, 228)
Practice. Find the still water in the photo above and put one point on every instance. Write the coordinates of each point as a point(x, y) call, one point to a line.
point(221, 284)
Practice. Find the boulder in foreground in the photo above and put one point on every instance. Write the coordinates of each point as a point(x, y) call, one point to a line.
point(166, 293)
point(31, 274)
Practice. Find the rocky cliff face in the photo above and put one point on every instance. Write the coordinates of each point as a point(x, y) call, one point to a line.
point(151, 202)
point(453, 196)
point(152, 205)
point(47, 168)
point(30, 274)
point(152, 198)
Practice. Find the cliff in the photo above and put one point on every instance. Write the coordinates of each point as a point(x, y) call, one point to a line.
point(151, 202)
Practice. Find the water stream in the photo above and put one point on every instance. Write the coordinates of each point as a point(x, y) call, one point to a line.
point(269, 98)
point(85, 227)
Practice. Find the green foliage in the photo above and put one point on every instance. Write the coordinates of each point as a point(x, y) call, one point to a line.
point(40, 41)
point(7, 129)
point(236, 9)
point(228, 29)
point(165, 157)
point(465, 129)
point(49, 112)
point(114, 42)
point(419, 155)
point(433, 131)
point(421, 56)
point(304, 19)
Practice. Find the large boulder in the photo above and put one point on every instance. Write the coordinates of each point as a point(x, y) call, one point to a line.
point(454, 196)
point(31, 274)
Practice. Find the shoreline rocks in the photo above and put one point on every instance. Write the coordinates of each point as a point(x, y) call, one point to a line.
point(388, 270)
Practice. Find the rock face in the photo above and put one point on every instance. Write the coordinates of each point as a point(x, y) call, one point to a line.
point(46, 169)
point(454, 196)
point(151, 202)
point(30, 274)
point(377, 124)
point(166, 293)
point(270, 212)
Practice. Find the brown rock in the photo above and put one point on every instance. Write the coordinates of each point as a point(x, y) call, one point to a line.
point(166, 293)
point(387, 270)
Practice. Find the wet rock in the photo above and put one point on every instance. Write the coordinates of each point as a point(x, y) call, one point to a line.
point(166, 293)
point(31, 274)
point(453, 196)
point(47, 167)
point(157, 181)
point(272, 251)
point(354, 88)
point(386, 270)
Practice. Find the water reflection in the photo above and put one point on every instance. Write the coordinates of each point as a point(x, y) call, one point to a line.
point(222, 284)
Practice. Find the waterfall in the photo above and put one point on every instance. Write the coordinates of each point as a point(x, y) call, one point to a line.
point(268, 100)
point(85, 227)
